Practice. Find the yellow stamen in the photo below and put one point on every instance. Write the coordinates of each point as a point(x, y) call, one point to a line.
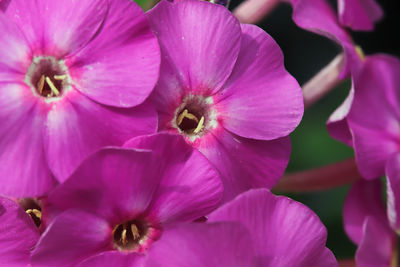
point(124, 240)
point(135, 232)
point(200, 125)
point(52, 86)
point(36, 212)
point(360, 52)
point(60, 77)
point(40, 84)
point(186, 114)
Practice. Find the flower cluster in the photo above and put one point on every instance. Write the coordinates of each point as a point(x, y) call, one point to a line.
point(154, 139)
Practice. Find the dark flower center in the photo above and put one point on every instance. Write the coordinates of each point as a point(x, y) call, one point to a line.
point(48, 77)
point(33, 209)
point(190, 122)
point(128, 235)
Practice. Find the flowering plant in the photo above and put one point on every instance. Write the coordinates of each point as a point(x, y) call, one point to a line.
point(158, 135)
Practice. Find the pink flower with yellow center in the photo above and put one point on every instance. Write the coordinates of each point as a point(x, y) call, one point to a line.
point(223, 87)
point(70, 73)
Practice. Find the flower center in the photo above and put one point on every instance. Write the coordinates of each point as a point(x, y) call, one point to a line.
point(190, 123)
point(195, 116)
point(33, 209)
point(129, 235)
point(47, 76)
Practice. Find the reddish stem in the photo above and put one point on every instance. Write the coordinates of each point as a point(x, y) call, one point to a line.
point(347, 263)
point(326, 177)
point(323, 82)
point(252, 11)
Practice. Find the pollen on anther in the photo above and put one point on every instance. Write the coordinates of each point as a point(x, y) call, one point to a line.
point(40, 84)
point(200, 125)
point(52, 86)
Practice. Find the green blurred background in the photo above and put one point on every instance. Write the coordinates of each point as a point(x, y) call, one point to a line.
point(305, 54)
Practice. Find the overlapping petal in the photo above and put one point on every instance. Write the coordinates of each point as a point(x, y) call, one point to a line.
point(18, 234)
point(115, 184)
point(284, 232)
point(77, 127)
point(363, 200)
point(245, 163)
point(198, 245)
point(393, 191)
point(374, 118)
point(260, 100)
point(70, 238)
point(120, 66)
point(359, 14)
point(189, 188)
point(203, 57)
point(114, 258)
point(58, 27)
point(23, 168)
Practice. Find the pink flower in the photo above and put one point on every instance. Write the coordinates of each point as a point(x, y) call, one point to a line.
point(122, 200)
point(255, 229)
point(359, 14)
point(18, 234)
point(223, 87)
point(66, 71)
point(367, 226)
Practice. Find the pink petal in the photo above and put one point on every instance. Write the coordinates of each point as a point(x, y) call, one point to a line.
point(120, 66)
point(23, 170)
point(364, 199)
point(284, 232)
point(18, 234)
point(318, 16)
point(190, 187)
point(260, 100)
point(112, 183)
point(374, 118)
point(201, 40)
point(377, 245)
point(72, 237)
point(14, 52)
point(114, 258)
point(246, 163)
point(337, 125)
point(58, 27)
point(359, 14)
point(199, 245)
point(78, 126)
point(393, 191)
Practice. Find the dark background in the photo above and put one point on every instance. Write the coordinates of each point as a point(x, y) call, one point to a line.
point(305, 54)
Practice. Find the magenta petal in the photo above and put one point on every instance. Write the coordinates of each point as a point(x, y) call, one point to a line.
point(376, 246)
point(23, 168)
point(78, 126)
point(245, 163)
point(112, 183)
point(120, 66)
point(359, 14)
point(318, 16)
point(364, 199)
point(203, 46)
point(393, 191)
point(337, 125)
point(284, 232)
point(189, 188)
point(72, 237)
point(199, 245)
point(374, 118)
point(58, 27)
point(18, 234)
point(114, 258)
point(260, 100)
point(14, 52)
